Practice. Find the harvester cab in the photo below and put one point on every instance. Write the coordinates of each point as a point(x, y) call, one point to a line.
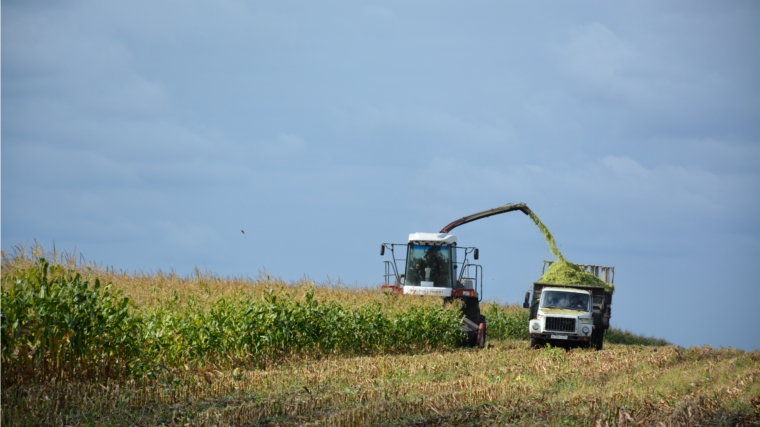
point(430, 266)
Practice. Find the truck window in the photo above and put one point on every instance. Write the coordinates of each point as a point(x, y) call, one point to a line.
point(565, 300)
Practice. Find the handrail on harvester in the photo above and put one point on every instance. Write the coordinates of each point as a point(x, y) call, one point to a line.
point(490, 212)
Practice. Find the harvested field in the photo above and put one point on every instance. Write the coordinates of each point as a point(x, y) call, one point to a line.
point(506, 384)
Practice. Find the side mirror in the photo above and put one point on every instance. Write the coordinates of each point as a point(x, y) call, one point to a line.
point(477, 254)
point(382, 250)
point(527, 297)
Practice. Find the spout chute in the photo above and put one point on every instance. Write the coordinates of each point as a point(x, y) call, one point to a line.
point(490, 212)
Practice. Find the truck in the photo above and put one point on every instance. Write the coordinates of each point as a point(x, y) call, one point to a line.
point(570, 315)
point(433, 264)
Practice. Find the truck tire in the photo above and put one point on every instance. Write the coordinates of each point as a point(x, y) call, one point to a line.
point(598, 338)
point(536, 343)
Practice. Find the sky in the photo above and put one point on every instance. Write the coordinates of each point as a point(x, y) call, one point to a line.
point(146, 135)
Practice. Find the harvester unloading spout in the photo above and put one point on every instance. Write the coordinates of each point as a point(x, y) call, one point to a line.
point(484, 214)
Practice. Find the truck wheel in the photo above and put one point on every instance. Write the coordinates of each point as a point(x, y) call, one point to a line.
point(599, 340)
point(536, 343)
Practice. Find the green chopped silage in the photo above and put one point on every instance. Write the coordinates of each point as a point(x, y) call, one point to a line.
point(548, 236)
point(567, 273)
point(563, 272)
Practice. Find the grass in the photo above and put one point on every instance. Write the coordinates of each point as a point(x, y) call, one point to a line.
point(618, 336)
point(333, 356)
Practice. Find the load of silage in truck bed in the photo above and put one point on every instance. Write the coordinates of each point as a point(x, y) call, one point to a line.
point(567, 273)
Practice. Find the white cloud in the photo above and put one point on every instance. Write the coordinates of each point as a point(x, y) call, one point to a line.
point(658, 71)
point(624, 167)
point(595, 53)
point(677, 191)
point(603, 63)
point(656, 202)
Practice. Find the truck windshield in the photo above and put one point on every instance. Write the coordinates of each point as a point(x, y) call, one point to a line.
point(428, 266)
point(565, 300)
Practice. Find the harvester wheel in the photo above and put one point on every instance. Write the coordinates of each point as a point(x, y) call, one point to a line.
point(482, 332)
point(471, 309)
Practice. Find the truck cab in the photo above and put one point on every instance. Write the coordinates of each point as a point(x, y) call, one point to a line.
point(563, 314)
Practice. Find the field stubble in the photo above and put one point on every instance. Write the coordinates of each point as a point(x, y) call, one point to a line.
point(506, 384)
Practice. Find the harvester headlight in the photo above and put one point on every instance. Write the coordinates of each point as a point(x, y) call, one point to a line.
point(534, 326)
point(585, 330)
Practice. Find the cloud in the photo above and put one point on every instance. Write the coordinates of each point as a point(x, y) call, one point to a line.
point(37, 165)
point(667, 77)
point(645, 204)
point(601, 60)
point(726, 156)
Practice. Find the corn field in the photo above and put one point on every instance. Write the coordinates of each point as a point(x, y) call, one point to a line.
point(57, 325)
point(83, 345)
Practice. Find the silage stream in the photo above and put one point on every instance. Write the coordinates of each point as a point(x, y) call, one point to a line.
point(564, 272)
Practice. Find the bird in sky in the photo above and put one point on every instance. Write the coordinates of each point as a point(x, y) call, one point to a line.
point(242, 231)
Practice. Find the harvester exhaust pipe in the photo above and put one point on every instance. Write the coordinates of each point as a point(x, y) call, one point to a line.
point(490, 212)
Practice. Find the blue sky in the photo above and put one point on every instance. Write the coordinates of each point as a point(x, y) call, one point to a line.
point(146, 135)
